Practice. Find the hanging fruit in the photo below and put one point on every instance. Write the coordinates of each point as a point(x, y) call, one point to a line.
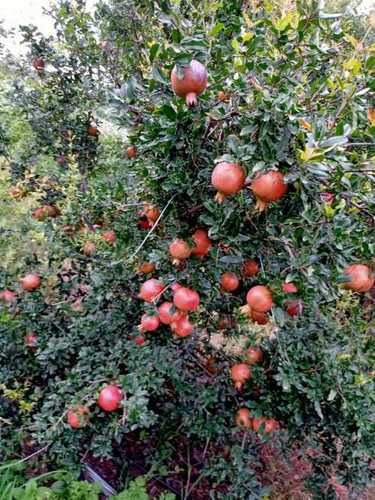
point(191, 83)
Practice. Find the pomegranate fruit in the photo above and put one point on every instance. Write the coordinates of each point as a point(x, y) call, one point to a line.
point(131, 152)
point(289, 288)
point(179, 250)
point(109, 237)
point(151, 289)
point(140, 340)
point(30, 282)
point(202, 243)
point(243, 418)
point(259, 317)
point(360, 278)
point(182, 327)
point(270, 424)
point(227, 178)
point(267, 188)
point(294, 307)
point(8, 296)
point(110, 397)
point(38, 63)
point(192, 83)
point(89, 248)
point(186, 299)
point(175, 287)
point(149, 323)
point(152, 213)
point(31, 339)
point(229, 282)
point(92, 130)
point(250, 268)
point(259, 298)
point(77, 417)
point(254, 356)
point(144, 224)
point(168, 313)
point(146, 268)
point(240, 373)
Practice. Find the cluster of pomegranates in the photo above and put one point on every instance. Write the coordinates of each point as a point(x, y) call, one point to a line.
point(175, 313)
point(181, 250)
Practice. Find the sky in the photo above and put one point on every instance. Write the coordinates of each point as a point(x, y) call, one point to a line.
point(16, 12)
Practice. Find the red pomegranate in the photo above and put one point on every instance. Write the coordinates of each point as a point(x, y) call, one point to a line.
point(89, 248)
point(229, 282)
point(151, 289)
point(152, 213)
point(227, 178)
point(202, 243)
point(179, 250)
point(146, 268)
point(149, 323)
point(109, 237)
point(186, 299)
point(145, 224)
point(360, 278)
point(269, 424)
point(240, 373)
point(110, 397)
point(243, 418)
point(294, 307)
point(140, 340)
point(289, 288)
point(192, 82)
point(8, 296)
point(250, 268)
point(268, 187)
point(131, 152)
point(92, 130)
point(176, 286)
point(254, 356)
point(259, 298)
point(259, 317)
point(168, 313)
point(182, 327)
point(30, 282)
point(78, 417)
point(38, 63)
point(31, 339)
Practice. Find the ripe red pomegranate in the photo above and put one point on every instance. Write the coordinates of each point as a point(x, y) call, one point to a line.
point(31, 339)
point(229, 282)
point(179, 250)
point(250, 268)
point(30, 282)
point(146, 268)
point(192, 83)
point(8, 296)
point(258, 317)
point(240, 373)
point(243, 418)
point(222, 96)
point(149, 323)
point(259, 298)
point(140, 340)
point(152, 213)
point(92, 130)
point(110, 397)
point(254, 356)
point(182, 327)
point(38, 63)
point(109, 237)
point(227, 178)
point(267, 188)
point(131, 152)
point(289, 288)
point(151, 289)
point(78, 417)
point(89, 248)
point(360, 278)
point(270, 424)
point(294, 307)
point(168, 313)
point(144, 224)
point(202, 243)
point(186, 299)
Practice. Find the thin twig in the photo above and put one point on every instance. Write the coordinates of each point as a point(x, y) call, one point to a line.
point(38, 452)
point(152, 229)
